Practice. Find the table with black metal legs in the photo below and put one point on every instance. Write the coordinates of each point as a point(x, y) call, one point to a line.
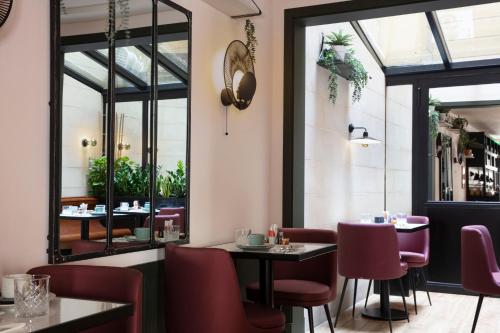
point(266, 258)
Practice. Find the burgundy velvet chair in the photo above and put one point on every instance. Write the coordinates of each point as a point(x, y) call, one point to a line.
point(480, 272)
point(414, 250)
point(202, 295)
point(304, 284)
point(160, 220)
point(176, 210)
point(369, 251)
point(116, 284)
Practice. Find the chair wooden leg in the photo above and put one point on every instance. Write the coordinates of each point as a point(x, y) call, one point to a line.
point(354, 297)
point(426, 287)
point(339, 306)
point(389, 312)
point(311, 319)
point(478, 309)
point(329, 318)
point(413, 283)
point(368, 292)
point(403, 296)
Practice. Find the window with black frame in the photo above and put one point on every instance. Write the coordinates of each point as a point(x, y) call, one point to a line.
point(120, 127)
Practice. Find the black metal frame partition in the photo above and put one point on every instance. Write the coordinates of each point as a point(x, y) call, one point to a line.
point(182, 90)
point(295, 22)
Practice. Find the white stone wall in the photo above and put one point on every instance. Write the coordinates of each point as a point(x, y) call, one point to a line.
point(81, 118)
point(132, 129)
point(342, 180)
point(399, 148)
point(172, 132)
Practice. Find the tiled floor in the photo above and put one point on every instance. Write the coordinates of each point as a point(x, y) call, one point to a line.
point(448, 314)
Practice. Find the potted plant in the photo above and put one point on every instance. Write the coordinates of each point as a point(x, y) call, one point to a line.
point(339, 42)
point(460, 123)
point(466, 144)
point(357, 75)
point(173, 186)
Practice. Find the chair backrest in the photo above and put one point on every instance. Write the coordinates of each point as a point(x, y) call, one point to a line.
point(322, 269)
point(115, 284)
point(160, 221)
point(416, 241)
point(478, 260)
point(368, 251)
point(202, 292)
point(176, 210)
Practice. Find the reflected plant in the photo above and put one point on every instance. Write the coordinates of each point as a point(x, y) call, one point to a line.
point(97, 177)
point(173, 183)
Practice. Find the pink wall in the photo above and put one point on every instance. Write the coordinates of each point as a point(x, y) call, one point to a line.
point(236, 180)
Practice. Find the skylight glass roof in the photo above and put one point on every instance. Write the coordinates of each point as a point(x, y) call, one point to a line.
point(139, 64)
point(176, 51)
point(404, 40)
point(90, 69)
point(472, 33)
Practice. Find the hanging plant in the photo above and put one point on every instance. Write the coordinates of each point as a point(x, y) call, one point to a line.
point(433, 123)
point(251, 39)
point(63, 8)
point(358, 76)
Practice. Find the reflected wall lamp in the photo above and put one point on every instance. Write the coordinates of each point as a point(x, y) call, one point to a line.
point(364, 140)
point(89, 142)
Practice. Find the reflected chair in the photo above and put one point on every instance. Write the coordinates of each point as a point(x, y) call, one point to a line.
point(304, 284)
point(160, 220)
point(414, 250)
point(176, 210)
point(480, 272)
point(202, 295)
point(371, 252)
point(115, 284)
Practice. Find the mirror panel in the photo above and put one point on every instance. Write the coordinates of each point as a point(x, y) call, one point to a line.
point(80, 223)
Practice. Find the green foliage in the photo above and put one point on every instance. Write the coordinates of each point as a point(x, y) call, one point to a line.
point(434, 101)
point(251, 39)
point(433, 123)
point(460, 123)
point(131, 179)
point(97, 177)
point(173, 183)
point(358, 77)
point(338, 38)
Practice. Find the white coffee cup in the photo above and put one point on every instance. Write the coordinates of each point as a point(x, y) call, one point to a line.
point(8, 284)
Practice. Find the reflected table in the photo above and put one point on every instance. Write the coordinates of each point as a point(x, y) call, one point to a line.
point(303, 252)
point(85, 218)
point(70, 315)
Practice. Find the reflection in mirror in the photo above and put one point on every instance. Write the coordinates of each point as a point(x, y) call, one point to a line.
point(84, 62)
point(172, 124)
point(464, 133)
point(83, 148)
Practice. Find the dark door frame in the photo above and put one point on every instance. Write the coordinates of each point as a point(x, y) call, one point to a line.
point(295, 22)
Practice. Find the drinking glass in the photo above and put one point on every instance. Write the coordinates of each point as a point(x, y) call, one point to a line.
point(366, 218)
point(401, 218)
point(241, 236)
point(31, 295)
point(171, 231)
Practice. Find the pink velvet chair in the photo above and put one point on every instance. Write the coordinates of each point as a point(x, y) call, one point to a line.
point(480, 272)
point(202, 295)
point(160, 220)
point(116, 284)
point(176, 210)
point(414, 250)
point(369, 251)
point(304, 284)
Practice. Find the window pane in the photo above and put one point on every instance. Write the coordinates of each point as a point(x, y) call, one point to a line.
point(472, 33)
point(402, 40)
point(139, 64)
point(91, 70)
point(176, 52)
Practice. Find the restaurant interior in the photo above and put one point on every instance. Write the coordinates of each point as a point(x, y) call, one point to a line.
point(250, 166)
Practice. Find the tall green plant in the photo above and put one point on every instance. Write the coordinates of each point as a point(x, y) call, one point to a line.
point(173, 183)
point(97, 177)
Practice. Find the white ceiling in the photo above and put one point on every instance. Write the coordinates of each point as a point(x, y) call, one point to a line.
point(483, 119)
point(95, 10)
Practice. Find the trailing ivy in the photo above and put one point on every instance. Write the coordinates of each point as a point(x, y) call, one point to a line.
point(251, 39)
point(358, 77)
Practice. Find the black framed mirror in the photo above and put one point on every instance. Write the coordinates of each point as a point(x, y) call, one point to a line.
point(120, 127)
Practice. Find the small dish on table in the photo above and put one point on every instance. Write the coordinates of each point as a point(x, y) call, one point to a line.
point(262, 247)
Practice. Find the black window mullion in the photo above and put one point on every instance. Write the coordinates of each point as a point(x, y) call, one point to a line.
point(364, 38)
point(166, 63)
point(437, 32)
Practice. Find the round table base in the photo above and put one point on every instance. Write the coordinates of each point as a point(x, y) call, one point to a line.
point(375, 313)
